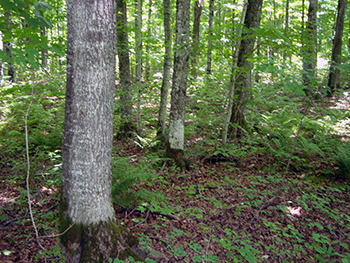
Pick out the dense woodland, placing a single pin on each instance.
(174, 131)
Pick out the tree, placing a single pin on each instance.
(44, 61)
(210, 40)
(124, 70)
(233, 78)
(178, 93)
(310, 48)
(138, 48)
(166, 69)
(8, 51)
(198, 7)
(87, 218)
(334, 72)
(147, 67)
(286, 26)
(243, 80)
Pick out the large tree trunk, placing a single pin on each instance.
(166, 70)
(310, 49)
(124, 71)
(178, 93)
(87, 217)
(198, 7)
(233, 77)
(243, 80)
(210, 40)
(334, 72)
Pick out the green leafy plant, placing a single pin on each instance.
(343, 159)
(144, 142)
(125, 176)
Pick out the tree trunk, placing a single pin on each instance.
(286, 28)
(210, 40)
(233, 77)
(348, 82)
(1, 64)
(243, 80)
(87, 218)
(44, 61)
(218, 32)
(138, 49)
(166, 69)
(198, 7)
(147, 67)
(334, 72)
(124, 71)
(8, 52)
(178, 93)
(310, 49)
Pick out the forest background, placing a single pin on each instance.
(292, 135)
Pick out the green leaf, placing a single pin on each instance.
(7, 252)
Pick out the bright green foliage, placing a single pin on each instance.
(24, 30)
(45, 122)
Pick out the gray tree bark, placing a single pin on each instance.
(124, 71)
(138, 49)
(210, 40)
(147, 67)
(178, 93)
(166, 69)
(218, 15)
(243, 80)
(286, 27)
(198, 7)
(334, 72)
(233, 77)
(310, 49)
(8, 51)
(44, 62)
(92, 233)
(1, 64)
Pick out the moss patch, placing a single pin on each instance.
(95, 242)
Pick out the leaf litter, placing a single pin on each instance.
(222, 211)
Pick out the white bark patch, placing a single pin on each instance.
(176, 134)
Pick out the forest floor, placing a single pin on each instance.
(243, 208)
(248, 208)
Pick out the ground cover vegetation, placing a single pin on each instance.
(277, 190)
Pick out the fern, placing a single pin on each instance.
(343, 159)
(125, 177)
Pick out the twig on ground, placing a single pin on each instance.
(28, 173)
(146, 216)
(13, 220)
(60, 234)
(52, 207)
(266, 204)
(9, 214)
